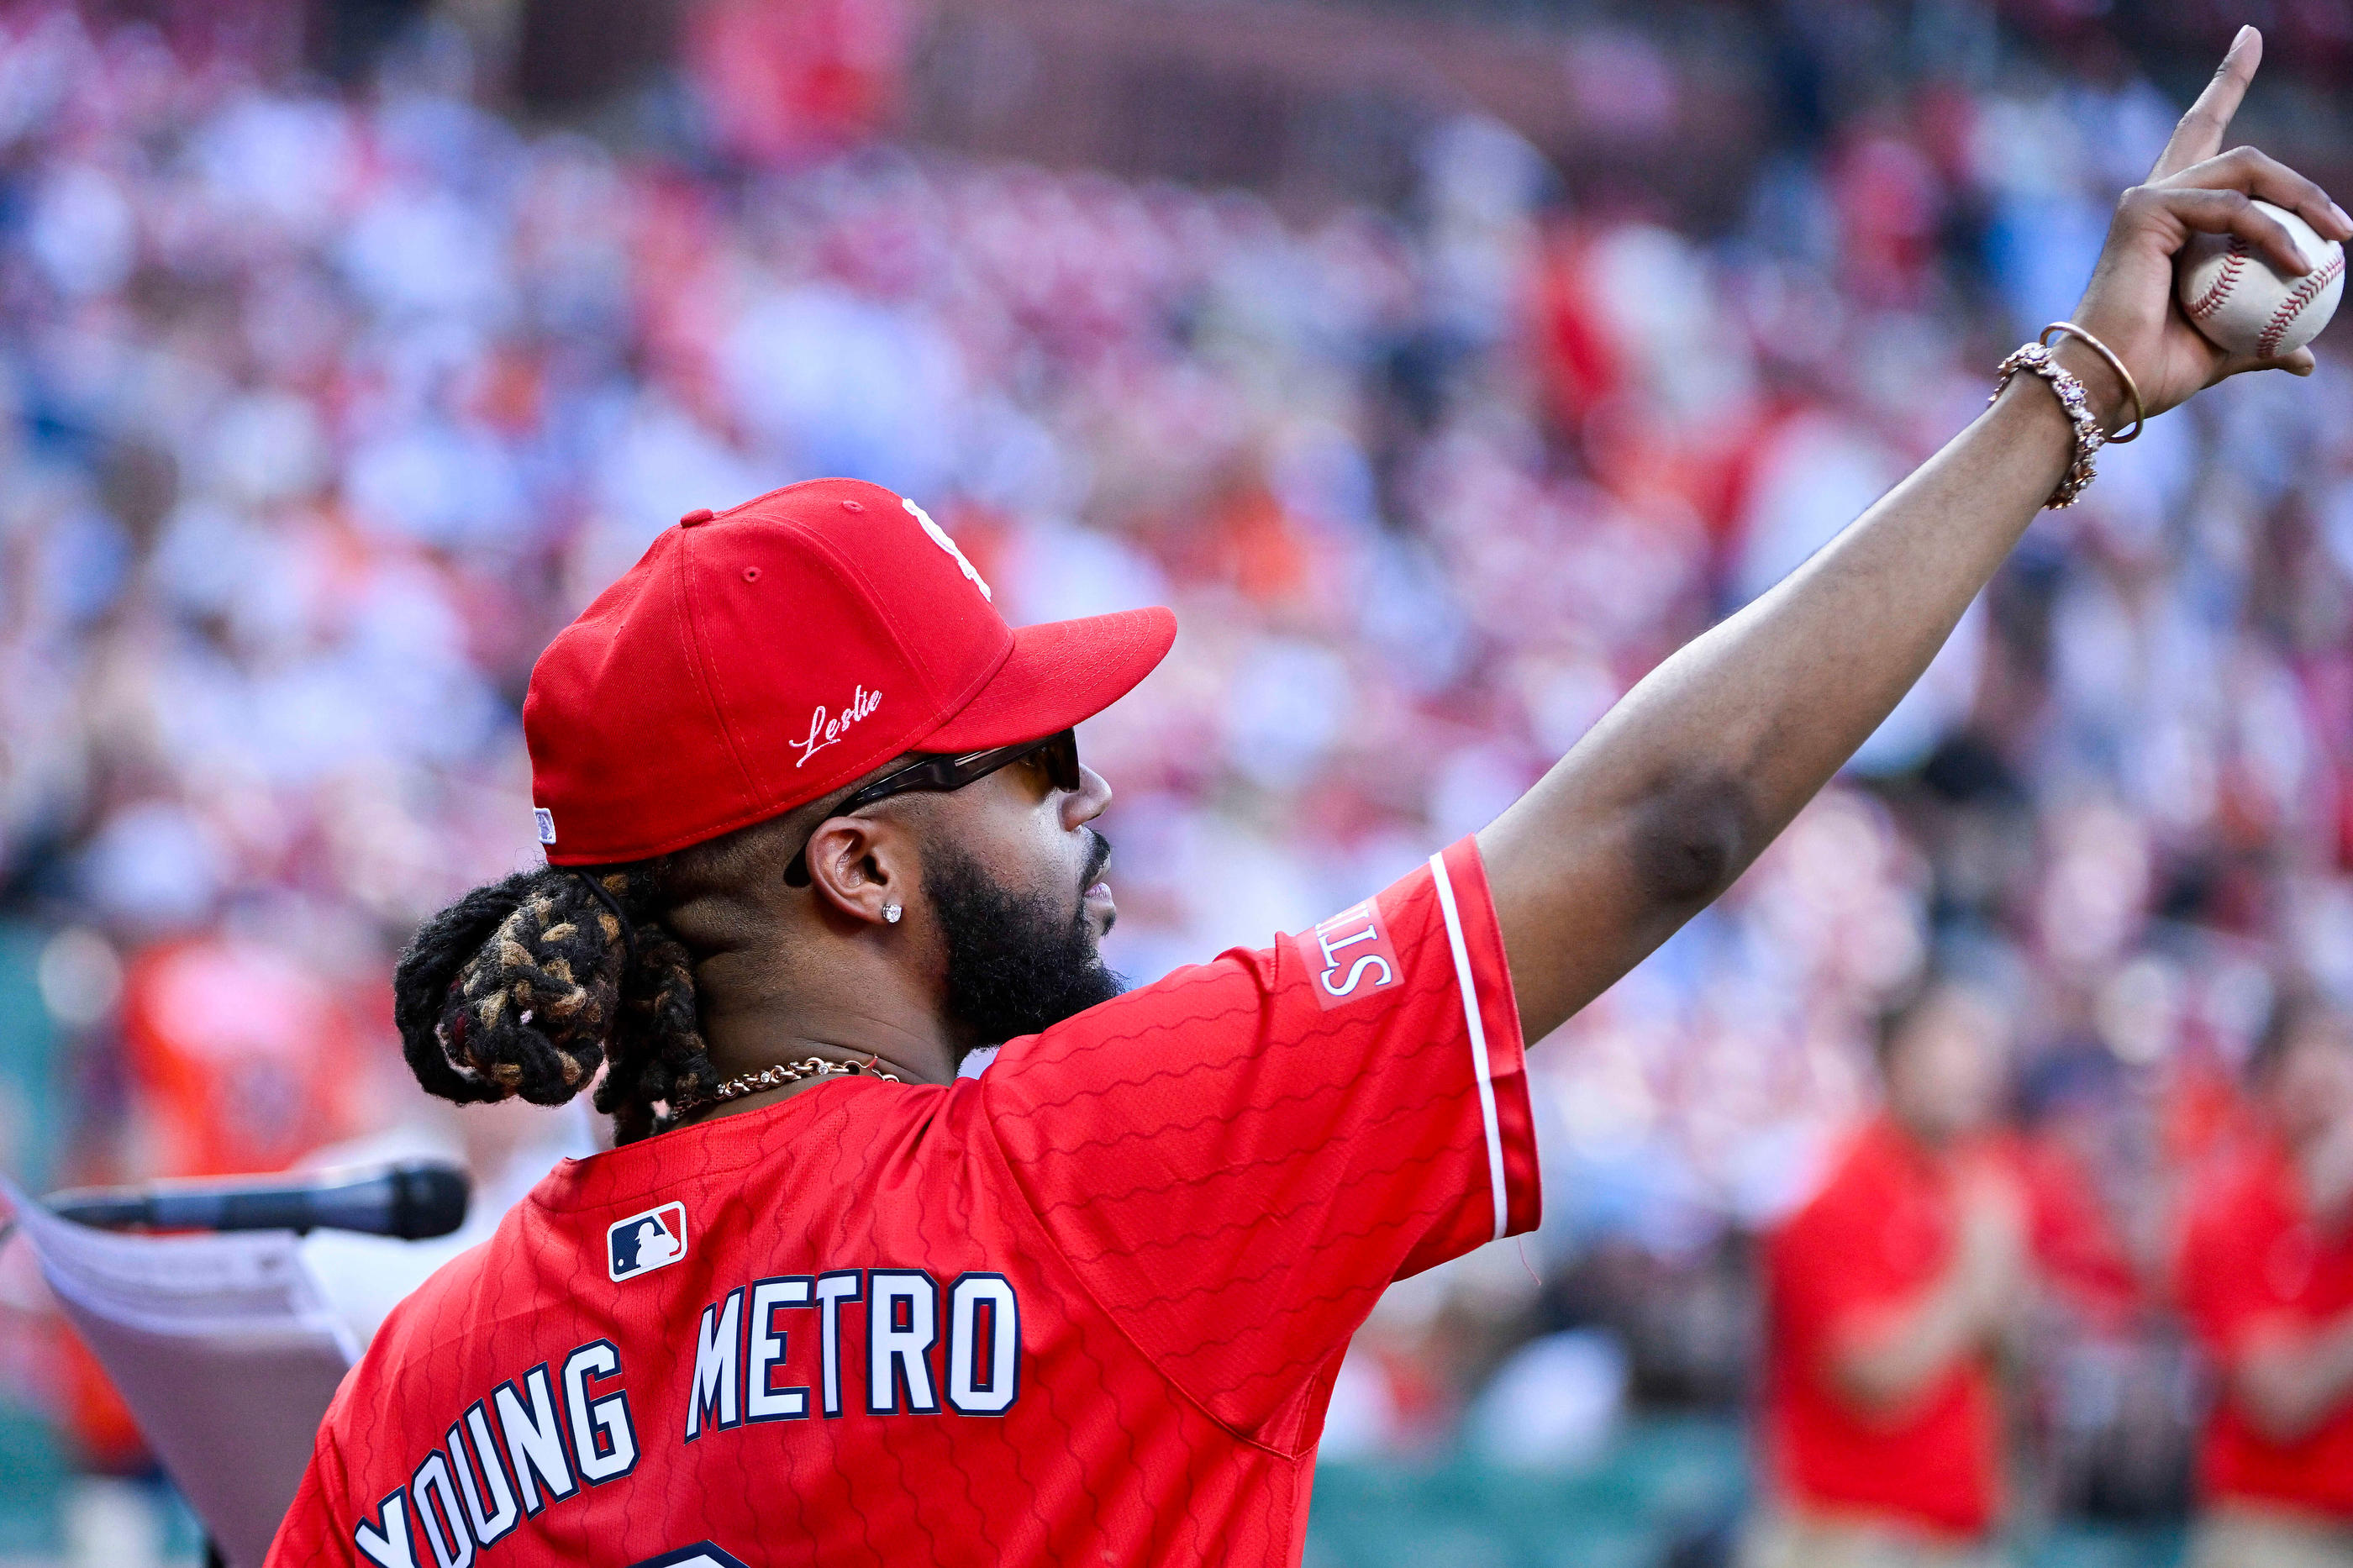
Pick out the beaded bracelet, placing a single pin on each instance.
(2089, 439)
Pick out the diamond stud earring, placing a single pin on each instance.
(892, 912)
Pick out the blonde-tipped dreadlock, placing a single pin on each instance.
(528, 986)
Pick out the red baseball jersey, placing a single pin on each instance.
(1084, 1309)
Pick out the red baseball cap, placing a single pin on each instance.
(757, 659)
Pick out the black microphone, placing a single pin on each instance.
(412, 1199)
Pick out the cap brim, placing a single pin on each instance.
(1059, 673)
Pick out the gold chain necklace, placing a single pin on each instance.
(776, 1077)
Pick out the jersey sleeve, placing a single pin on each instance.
(1237, 1160)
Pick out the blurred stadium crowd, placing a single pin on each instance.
(324, 411)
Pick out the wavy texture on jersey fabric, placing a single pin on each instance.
(1187, 1200)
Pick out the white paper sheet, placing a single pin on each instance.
(224, 1346)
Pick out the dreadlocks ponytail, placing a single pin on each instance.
(528, 986)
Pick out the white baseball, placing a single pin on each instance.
(2242, 303)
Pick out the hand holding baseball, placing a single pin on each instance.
(2195, 189)
(2244, 304)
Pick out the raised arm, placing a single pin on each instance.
(1680, 786)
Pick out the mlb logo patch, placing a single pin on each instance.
(644, 1242)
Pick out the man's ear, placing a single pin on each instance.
(861, 868)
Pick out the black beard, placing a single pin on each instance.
(1019, 962)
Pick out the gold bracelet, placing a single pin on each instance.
(2132, 387)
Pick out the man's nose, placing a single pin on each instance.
(1087, 802)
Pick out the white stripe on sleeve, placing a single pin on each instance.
(1478, 1030)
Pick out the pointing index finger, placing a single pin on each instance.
(2199, 135)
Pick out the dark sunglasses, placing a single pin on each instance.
(944, 774)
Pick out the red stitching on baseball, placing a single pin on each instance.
(2293, 306)
(2218, 290)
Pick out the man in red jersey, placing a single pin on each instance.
(2266, 1278)
(817, 827)
(1885, 1293)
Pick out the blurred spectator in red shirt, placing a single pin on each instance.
(1886, 1293)
(242, 1057)
(2266, 1278)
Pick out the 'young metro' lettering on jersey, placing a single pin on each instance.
(742, 1352)
(441, 1507)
